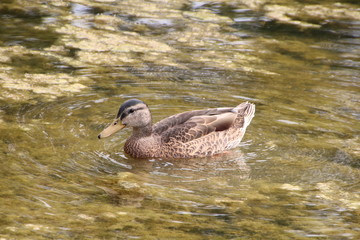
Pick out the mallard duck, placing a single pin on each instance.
(197, 133)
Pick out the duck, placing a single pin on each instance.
(191, 134)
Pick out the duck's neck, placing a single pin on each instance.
(139, 132)
(141, 144)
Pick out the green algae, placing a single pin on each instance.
(295, 177)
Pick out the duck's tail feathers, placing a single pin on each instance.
(247, 110)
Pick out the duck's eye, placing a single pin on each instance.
(115, 123)
(131, 110)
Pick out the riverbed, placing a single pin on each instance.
(66, 66)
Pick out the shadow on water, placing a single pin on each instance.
(19, 28)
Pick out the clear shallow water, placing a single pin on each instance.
(296, 176)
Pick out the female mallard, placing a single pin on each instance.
(190, 134)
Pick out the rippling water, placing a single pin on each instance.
(295, 176)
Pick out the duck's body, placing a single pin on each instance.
(190, 134)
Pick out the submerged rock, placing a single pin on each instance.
(305, 15)
(48, 86)
(335, 193)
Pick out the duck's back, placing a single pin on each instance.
(203, 132)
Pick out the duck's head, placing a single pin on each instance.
(132, 113)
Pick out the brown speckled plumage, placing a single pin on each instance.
(190, 134)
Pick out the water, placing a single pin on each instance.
(65, 67)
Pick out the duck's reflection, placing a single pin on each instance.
(164, 178)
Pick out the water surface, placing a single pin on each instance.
(65, 67)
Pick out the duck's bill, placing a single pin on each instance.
(110, 130)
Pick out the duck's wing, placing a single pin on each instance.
(181, 118)
(185, 127)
